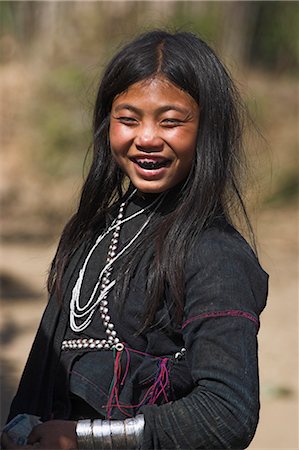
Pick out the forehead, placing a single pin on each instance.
(155, 92)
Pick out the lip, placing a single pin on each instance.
(149, 157)
(150, 174)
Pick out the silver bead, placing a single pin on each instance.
(105, 310)
(99, 346)
(108, 331)
(80, 345)
(85, 345)
(107, 346)
(104, 302)
(92, 345)
(113, 333)
(119, 347)
(116, 340)
(110, 325)
(90, 341)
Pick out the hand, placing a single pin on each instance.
(7, 443)
(54, 434)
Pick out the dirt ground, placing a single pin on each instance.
(24, 268)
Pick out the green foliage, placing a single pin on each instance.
(268, 30)
(63, 133)
(7, 16)
(275, 41)
(206, 22)
(287, 190)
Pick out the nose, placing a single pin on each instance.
(148, 139)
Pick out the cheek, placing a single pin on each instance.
(120, 137)
(186, 147)
(114, 136)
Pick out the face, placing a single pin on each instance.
(153, 131)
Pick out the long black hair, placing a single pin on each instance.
(212, 187)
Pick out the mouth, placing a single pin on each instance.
(151, 163)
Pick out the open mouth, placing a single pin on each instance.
(151, 164)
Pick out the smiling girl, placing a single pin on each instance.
(149, 337)
(153, 132)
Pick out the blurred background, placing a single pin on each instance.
(52, 55)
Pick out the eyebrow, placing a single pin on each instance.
(160, 110)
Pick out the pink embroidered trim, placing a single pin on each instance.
(230, 313)
(157, 390)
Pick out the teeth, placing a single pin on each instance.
(151, 165)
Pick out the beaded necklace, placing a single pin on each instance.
(103, 285)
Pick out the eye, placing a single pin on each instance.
(171, 123)
(127, 120)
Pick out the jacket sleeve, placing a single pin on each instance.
(35, 390)
(226, 290)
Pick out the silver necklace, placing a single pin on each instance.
(104, 285)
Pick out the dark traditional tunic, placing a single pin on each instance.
(207, 399)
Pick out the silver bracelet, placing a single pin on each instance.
(110, 434)
(118, 435)
(84, 435)
(134, 431)
(97, 434)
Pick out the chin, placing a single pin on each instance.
(150, 189)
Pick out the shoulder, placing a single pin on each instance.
(223, 243)
(222, 264)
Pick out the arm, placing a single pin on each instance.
(53, 434)
(222, 277)
(83, 435)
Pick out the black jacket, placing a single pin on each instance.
(212, 398)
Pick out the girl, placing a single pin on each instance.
(149, 338)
